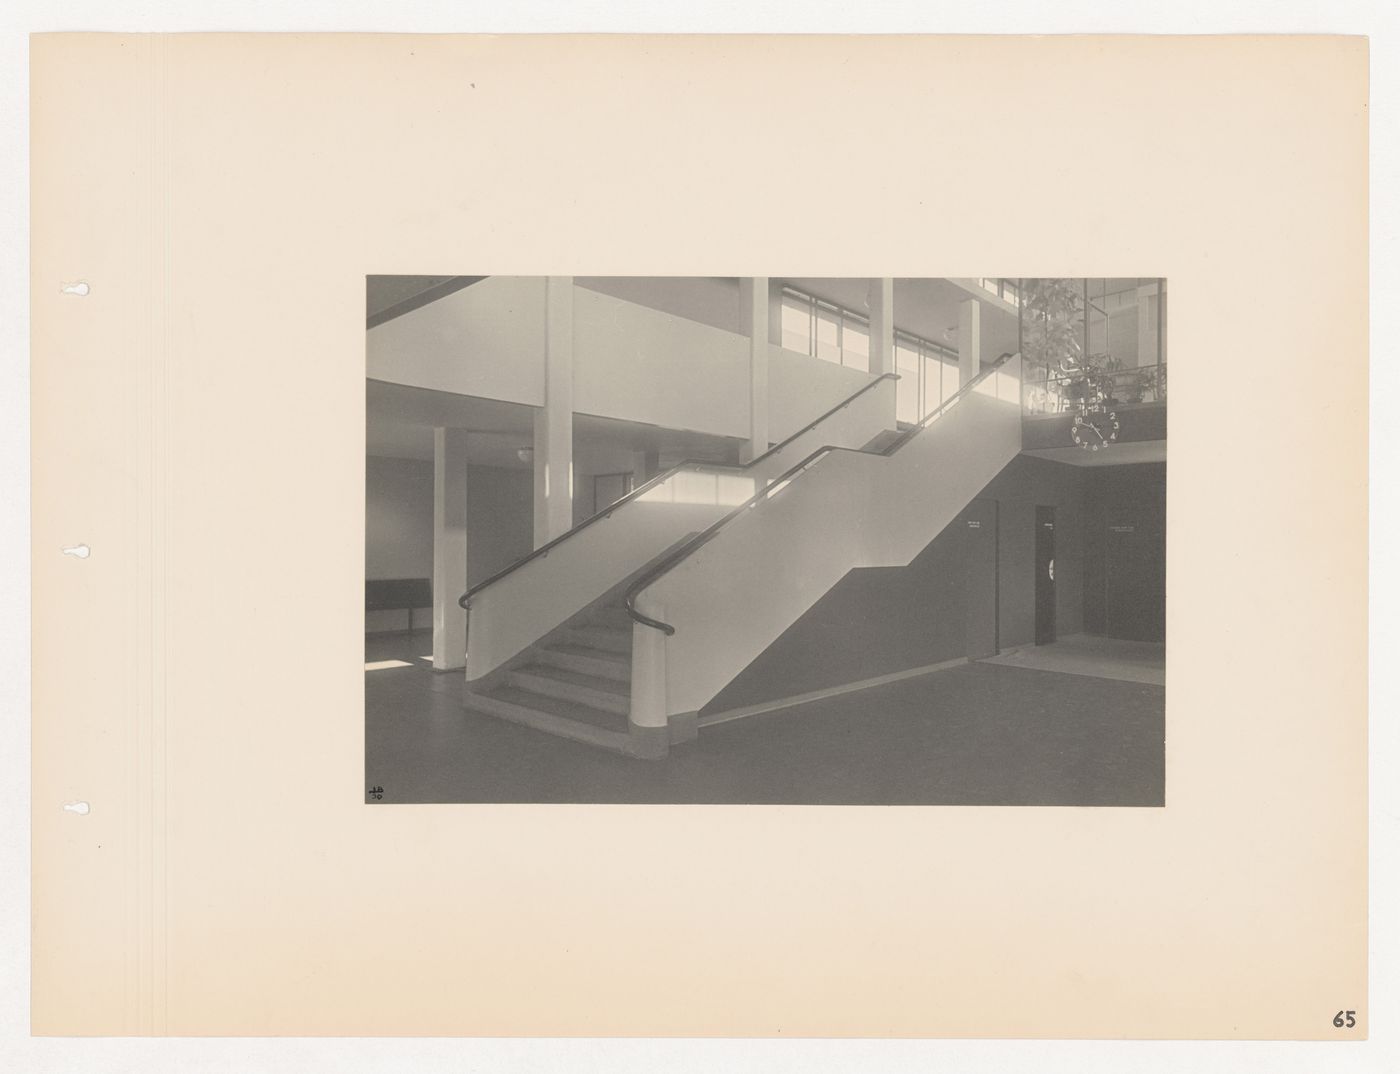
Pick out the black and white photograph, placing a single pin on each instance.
(805, 661)
(766, 540)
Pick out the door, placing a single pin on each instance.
(980, 524)
(1134, 557)
(1044, 575)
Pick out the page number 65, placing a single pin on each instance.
(1344, 1019)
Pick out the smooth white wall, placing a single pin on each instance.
(500, 519)
(643, 365)
(801, 388)
(674, 366)
(711, 300)
(399, 526)
(486, 340)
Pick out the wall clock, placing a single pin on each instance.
(1096, 428)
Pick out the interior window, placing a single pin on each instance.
(855, 344)
(933, 385)
(797, 324)
(907, 393)
(948, 372)
(828, 334)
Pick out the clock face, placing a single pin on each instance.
(1094, 429)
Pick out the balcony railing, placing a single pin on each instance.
(1047, 391)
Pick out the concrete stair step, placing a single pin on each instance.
(610, 639)
(554, 706)
(599, 662)
(599, 693)
(581, 723)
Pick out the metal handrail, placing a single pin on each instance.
(1072, 374)
(464, 601)
(1152, 378)
(706, 535)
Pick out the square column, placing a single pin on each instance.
(449, 548)
(754, 323)
(969, 340)
(881, 302)
(554, 422)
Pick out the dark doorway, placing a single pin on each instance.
(1133, 580)
(980, 521)
(1125, 552)
(1044, 575)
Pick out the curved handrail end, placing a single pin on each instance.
(646, 620)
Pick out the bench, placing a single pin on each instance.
(398, 594)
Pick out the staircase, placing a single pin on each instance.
(709, 610)
(576, 683)
(564, 643)
(512, 610)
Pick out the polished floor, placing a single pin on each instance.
(988, 733)
(1102, 658)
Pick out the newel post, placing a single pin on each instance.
(647, 723)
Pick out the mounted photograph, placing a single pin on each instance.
(763, 540)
